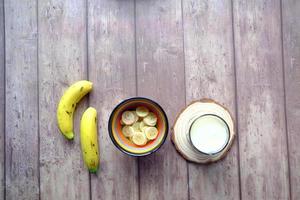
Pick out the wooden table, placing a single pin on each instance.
(244, 54)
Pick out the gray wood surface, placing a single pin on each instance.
(112, 66)
(21, 122)
(243, 54)
(62, 61)
(260, 97)
(160, 70)
(210, 74)
(291, 50)
(2, 100)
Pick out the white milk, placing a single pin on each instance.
(209, 134)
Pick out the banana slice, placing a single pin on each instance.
(151, 133)
(142, 111)
(136, 126)
(139, 138)
(150, 119)
(128, 117)
(144, 131)
(128, 131)
(144, 128)
(142, 125)
(136, 116)
(122, 123)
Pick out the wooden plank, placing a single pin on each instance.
(2, 100)
(210, 74)
(62, 61)
(160, 68)
(112, 69)
(291, 50)
(262, 134)
(21, 122)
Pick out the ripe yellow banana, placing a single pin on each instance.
(67, 105)
(89, 140)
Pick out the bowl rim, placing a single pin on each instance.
(110, 127)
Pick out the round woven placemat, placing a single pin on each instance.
(183, 122)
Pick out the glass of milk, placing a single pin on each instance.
(209, 134)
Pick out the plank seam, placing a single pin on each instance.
(236, 101)
(135, 47)
(87, 42)
(185, 92)
(136, 87)
(284, 101)
(87, 76)
(4, 137)
(38, 93)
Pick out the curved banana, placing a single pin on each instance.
(67, 105)
(89, 139)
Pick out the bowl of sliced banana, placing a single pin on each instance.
(138, 126)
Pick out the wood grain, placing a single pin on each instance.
(291, 50)
(21, 122)
(62, 61)
(160, 67)
(210, 74)
(2, 100)
(260, 96)
(112, 68)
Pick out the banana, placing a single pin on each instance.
(89, 139)
(136, 126)
(142, 125)
(150, 119)
(128, 117)
(142, 111)
(128, 131)
(122, 123)
(139, 138)
(136, 116)
(144, 128)
(151, 133)
(139, 125)
(67, 105)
